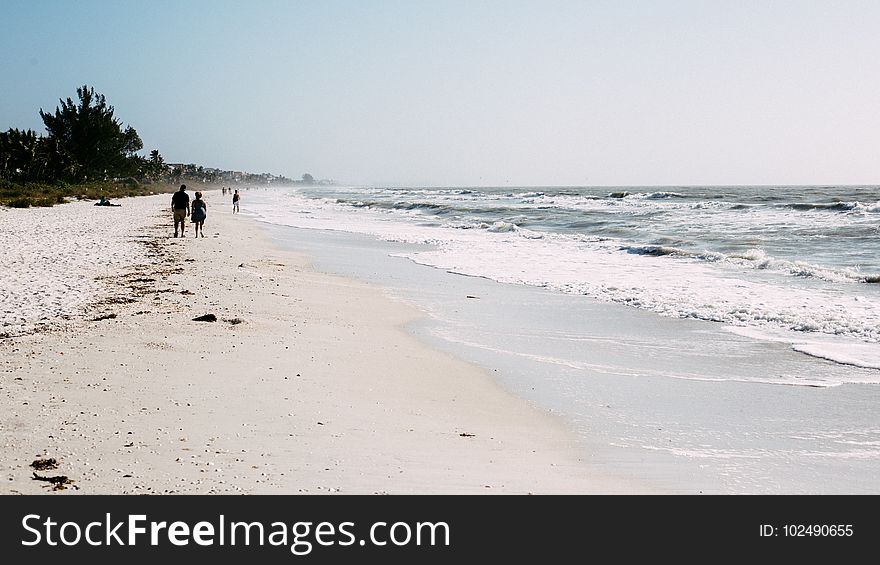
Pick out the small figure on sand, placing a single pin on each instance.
(199, 213)
(180, 209)
(235, 199)
(104, 202)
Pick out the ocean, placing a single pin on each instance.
(795, 264)
(728, 335)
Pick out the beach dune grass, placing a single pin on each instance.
(39, 194)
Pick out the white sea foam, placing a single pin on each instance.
(747, 288)
(452, 335)
(501, 227)
(832, 348)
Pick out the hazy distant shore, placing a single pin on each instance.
(304, 384)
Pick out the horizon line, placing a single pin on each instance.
(695, 185)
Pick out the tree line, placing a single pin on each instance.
(84, 142)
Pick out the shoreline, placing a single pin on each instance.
(307, 383)
(683, 405)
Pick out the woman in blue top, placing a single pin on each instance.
(199, 213)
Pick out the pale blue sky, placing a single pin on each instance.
(470, 93)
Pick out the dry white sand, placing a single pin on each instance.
(52, 257)
(306, 383)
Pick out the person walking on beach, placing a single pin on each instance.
(235, 199)
(180, 209)
(199, 213)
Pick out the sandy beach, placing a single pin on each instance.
(305, 383)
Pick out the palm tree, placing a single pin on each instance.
(156, 167)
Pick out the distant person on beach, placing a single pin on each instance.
(199, 213)
(180, 209)
(104, 202)
(235, 199)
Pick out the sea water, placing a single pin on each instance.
(703, 339)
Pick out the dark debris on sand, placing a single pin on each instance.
(104, 317)
(206, 318)
(45, 464)
(58, 482)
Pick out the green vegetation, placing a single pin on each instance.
(24, 195)
(85, 142)
(86, 154)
